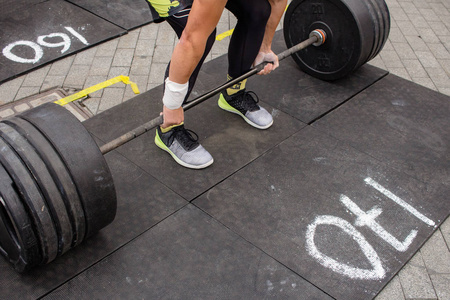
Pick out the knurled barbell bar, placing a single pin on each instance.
(55, 186)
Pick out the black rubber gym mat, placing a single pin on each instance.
(399, 122)
(188, 256)
(231, 141)
(127, 14)
(339, 218)
(34, 33)
(307, 98)
(142, 202)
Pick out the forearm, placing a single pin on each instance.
(278, 7)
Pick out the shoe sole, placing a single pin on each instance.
(223, 104)
(163, 146)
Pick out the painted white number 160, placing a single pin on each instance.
(41, 41)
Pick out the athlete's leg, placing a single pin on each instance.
(178, 23)
(248, 35)
(244, 46)
(202, 21)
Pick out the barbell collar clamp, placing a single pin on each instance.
(321, 37)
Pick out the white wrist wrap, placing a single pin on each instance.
(174, 94)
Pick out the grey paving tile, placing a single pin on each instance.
(157, 72)
(391, 59)
(421, 4)
(37, 77)
(404, 51)
(92, 104)
(439, 77)
(8, 90)
(145, 47)
(141, 82)
(26, 91)
(428, 35)
(77, 76)
(415, 280)
(61, 67)
(123, 58)
(416, 43)
(149, 32)
(441, 283)
(401, 72)
(445, 230)
(426, 82)
(85, 57)
(392, 3)
(162, 54)
(108, 48)
(427, 59)
(129, 41)
(436, 255)
(101, 65)
(407, 28)
(439, 28)
(378, 62)
(166, 36)
(418, 21)
(51, 81)
(141, 65)
(409, 7)
(439, 51)
(439, 8)
(396, 35)
(415, 68)
(151, 85)
(398, 13)
(393, 290)
(445, 91)
(93, 80)
(428, 13)
(117, 71)
(111, 97)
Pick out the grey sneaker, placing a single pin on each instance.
(183, 147)
(244, 104)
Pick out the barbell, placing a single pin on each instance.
(56, 189)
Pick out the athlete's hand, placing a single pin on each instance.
(270, 58)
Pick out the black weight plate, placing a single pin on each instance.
(350, 35)
(32, 200)
(83, 159)
(45, 182)
(59, 174)
(386, 22)
(18, 241)
(377, 20)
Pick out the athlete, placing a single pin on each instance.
(194, 22)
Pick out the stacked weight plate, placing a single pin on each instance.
(356, 32)
(48, 162)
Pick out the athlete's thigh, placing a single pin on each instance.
(203, 18)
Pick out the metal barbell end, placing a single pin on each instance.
(321, 37)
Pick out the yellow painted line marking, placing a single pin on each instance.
(102, 85)
(224, 35)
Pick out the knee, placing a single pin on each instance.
(259, 14)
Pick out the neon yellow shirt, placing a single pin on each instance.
(164, 7)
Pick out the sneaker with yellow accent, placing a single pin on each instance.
(243, 103)
(183, 147)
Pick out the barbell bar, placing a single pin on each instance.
(56, 188)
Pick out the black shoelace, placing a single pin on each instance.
(244, 101)
(187, 138)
